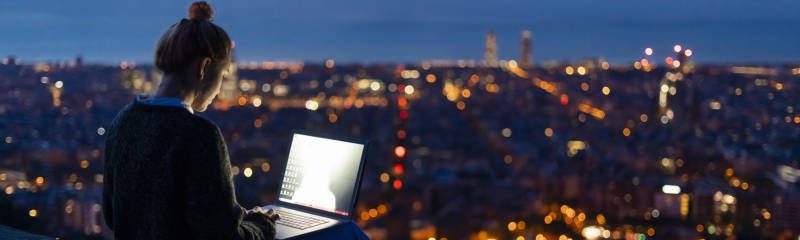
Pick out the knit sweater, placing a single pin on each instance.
(168, 176)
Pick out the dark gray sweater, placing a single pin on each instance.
(167, 176)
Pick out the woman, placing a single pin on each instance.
(167, 172)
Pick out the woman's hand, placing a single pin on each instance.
(271, 214)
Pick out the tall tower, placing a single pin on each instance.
(525, 59)
(79, 60)
(490, 53)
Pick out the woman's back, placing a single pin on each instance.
(142, 174)
(167, 172)
(168, 177)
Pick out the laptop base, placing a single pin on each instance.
(286, 232)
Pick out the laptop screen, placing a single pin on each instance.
(321, 173)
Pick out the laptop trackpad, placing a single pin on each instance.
(293, 223)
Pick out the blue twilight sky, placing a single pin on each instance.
(412, 30)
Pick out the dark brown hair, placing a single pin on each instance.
(192, 38)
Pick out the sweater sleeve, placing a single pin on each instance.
(212, 210)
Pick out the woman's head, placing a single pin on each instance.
(196, 52)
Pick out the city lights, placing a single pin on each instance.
(560, 156)
(581, 70)
(715, 105)
(788, 173)
(409, 74)
(671, 189)
(312, 105)
(512, 226)
(548, 132)
(506, 132)
(512, 64)
(575, 146)
(592, 232)
(677, 48)
(375, 86)
(397, 184)
(84, 164)
(384, 177)
(265, 167)
(398, 169)
(400, 151)
(569, 70)
(430, 78)
(564, 99)
(248, 172)
(329, 63)
(409, 89)
(280, 90)
(466, 93)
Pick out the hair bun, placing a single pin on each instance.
(200, 10)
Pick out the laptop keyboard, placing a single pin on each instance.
(298, 221)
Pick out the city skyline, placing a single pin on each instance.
(644, 152)
(356, 31)
(506, 119)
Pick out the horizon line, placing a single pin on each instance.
(21, 61)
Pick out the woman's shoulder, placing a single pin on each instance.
(205, 126)
(136, 115)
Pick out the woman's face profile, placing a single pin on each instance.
(212, 80)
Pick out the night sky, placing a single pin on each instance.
(412, 30)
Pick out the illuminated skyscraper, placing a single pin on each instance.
(490, 53)
(525, 57)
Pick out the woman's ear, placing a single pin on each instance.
(204, 63)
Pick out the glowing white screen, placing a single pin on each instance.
(321, 173)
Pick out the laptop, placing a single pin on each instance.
(320, 183)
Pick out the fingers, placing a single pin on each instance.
(257, 209)
(271, 214)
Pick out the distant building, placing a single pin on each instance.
(787, 210)
(490, 53)
(10, 60)
(525, 56)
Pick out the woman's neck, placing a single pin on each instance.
(172, 87)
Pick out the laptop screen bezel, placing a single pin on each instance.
(357, 184)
